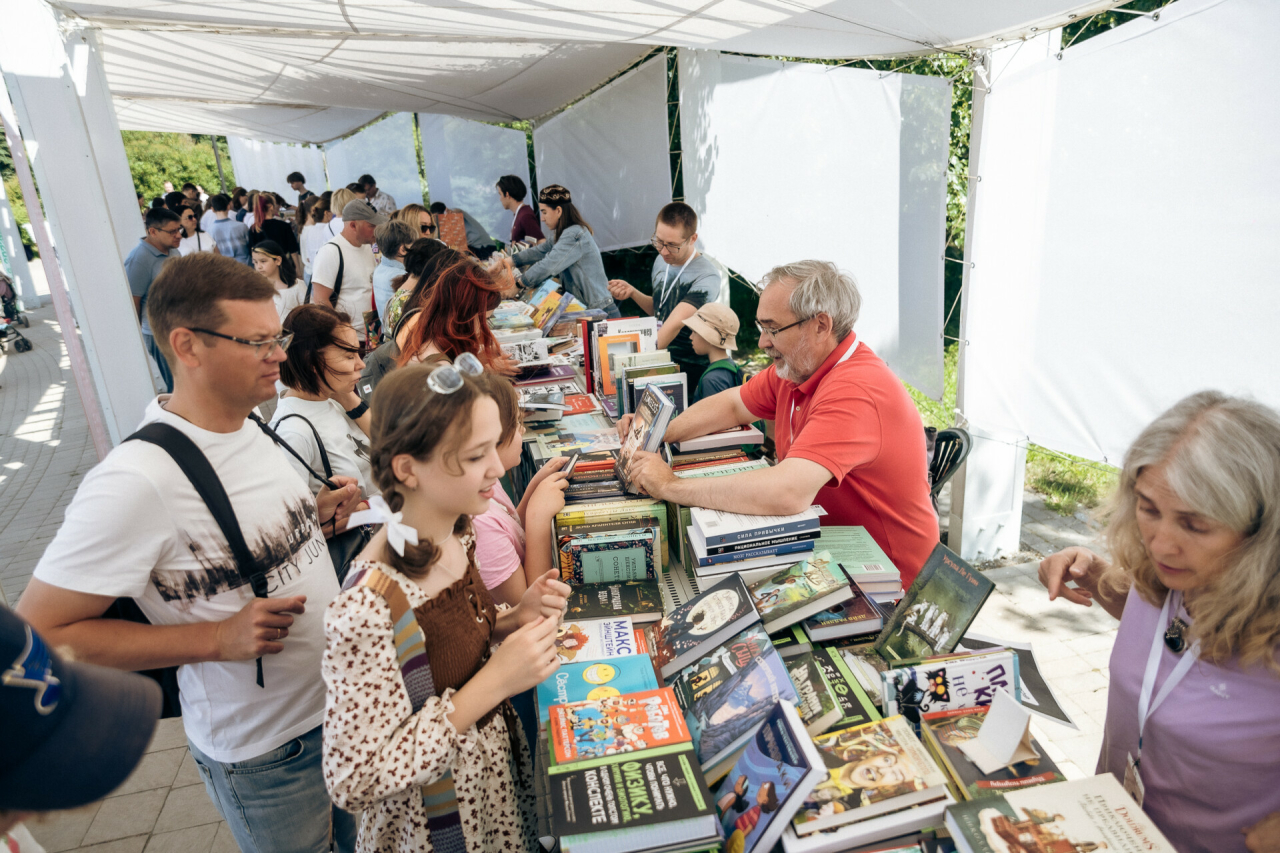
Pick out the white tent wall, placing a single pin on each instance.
(464, 159)
(785, 161)
(59, 131)
(610, 151)
(262, 165)
(385, 150)
(1125, 228)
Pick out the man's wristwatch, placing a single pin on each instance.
(358, 410)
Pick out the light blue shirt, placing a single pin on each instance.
(232, 238)
(575, 260)
(383, 289)
(141, 267)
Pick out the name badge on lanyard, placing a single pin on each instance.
(1146, 707)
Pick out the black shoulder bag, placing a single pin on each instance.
(382, 360)
(344, 547)
(337, 281)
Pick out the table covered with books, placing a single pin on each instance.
(748, 683)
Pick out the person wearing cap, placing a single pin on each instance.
(570, 253)
(712, 329)
(72, 731)
(848, 436)
(246, 634)
(342, 273)
(683, 280)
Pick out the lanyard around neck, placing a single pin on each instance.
(666, 282)
(1146, 707)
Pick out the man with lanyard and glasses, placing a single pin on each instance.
(164, 235)
(848, 436)
(247, 639)
(684, 280)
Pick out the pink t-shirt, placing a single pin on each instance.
(499, 540)
(1210, 752)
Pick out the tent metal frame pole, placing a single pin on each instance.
(57, 286)
(217, 157)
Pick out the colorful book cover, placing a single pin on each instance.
(1085, 814)
(943, 685)
(574, 682)
(729, 691)
(862, 557)
(818, 706)
(653, 413)
(630, 507)
(780, 597)
(937, 610)
(858, 615)
(699, 620)
(595, 639)
(626, 556)
(944, 731)
(628, 723)
(612, 345)
(872, 770)
(675, 386)
(767, 783)
(580, 404)
(856, 707)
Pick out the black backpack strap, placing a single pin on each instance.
(337, 282)
(205, 480)
(324, 454)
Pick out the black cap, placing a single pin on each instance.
(72, 731)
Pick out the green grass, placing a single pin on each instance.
(1067, 482)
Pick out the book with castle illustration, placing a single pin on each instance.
(937, 609)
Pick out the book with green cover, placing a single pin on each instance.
(627, 508)
(605, 558)
(855, 705)
(799, 591)
(817, 706)
(937, 610)
(791, 641)
(859, 554)
(641, 600)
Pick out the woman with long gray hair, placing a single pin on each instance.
(1193, 708)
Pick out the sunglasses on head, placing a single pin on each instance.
(447, 378)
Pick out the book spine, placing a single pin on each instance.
(759, 533)
(772, 551)
(715, 550)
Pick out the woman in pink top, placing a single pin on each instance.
(1193, 710)
(513, 543)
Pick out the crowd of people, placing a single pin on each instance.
(317, 726)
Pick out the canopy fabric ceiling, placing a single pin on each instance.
(180, 66)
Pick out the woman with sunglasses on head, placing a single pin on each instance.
(454, 319)
(1192, 726)
(569, 253)
(271, 262)
(419, 734)
(266, 227)
(319, 414)
(195, 238)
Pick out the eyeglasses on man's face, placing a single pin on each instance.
(262, 349)
(170, 231)
(664, 246)
(770, 332)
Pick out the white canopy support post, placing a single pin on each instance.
(986, 493)
(58, 131)
(12, 256)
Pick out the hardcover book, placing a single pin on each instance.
(818, 706)
(702, 622)
(716, 527)
(944, 731)
(632, 722)
(594, 639)
(745, 434)
(612, 345)
(653, 412)
(859, 787)
(791, 641)
(674, 385)
(1086, 814)
(738, 547)
(574, 682)
(862, 559)
(756, 553)
(856, 707)
(627, 508)
(937, 610)
(768, 783)
(857, 616)
(727, 693)
(605, 558)
(645, 801)
(945, 684)
(786, 597)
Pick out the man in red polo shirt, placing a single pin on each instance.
(848, 436)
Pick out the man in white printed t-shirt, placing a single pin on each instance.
(137, 528)
(354, 286)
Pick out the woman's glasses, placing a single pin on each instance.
(428, 229)
(447, 378)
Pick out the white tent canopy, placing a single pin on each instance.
(178, 66)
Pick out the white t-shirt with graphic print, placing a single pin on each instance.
(137, 528)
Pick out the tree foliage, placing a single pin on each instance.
(175, 157)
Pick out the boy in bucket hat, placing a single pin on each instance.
(713, 327)
(72, 731)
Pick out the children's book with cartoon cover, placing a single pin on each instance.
(574, 682)
(768, 782)
(579, 640)
(726, 694)
(630, 722)
(799, 591)
(874, 769)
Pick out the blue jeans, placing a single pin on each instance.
(161, 362)
(277, 802)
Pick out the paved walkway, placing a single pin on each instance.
(45, 450)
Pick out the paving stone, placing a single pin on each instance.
(188, 773)
(224, 842)
(125, 816)
(133, 844)
(156, 770)
(169, 734)
(61, 831)
(195, 839)
(187, 807)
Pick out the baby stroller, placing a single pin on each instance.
(12, 317)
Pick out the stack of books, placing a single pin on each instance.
(632, 372)
(605, 340)
(721, 542)
(864, 561)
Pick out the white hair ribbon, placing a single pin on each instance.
(380, 513)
